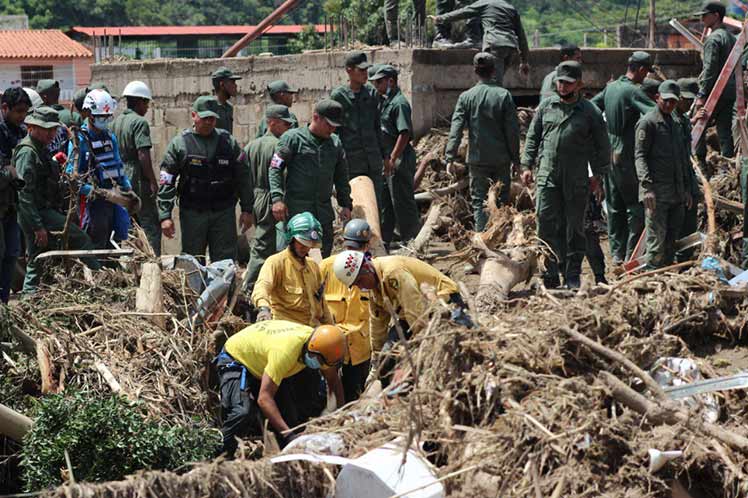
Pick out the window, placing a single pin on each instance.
(30, 75)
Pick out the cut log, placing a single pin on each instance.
(710, 246)
(45, 369)
(108, 377)
(365, 206)
(441, 192)
(499, 275)
(13, 424)
(427, 230)
(149, 298)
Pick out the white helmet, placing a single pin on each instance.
(36, 99)
(347, 265)
(100, 103)
(137, 89)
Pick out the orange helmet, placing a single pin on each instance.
(329, 342)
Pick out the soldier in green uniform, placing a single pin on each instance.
(392, 16)
(207, 170)
(443, 36)
(224, 87)
(313, 160)
(660, 165)
(360, 129)
(569, 52)
(689, 89)
(566, 134)
(281, 93)
(503, 34)
(624, 102)
(490, 115)
(651, 87)
(40, 200)
(134, 138)
(399, 202)
(49, 91)
(717, 48)
(260, 152)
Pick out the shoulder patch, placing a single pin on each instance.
(641, 135)
(392, 282)
(276, 162)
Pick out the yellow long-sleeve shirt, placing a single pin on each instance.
(400, 280)
(292, 289)
(350, 310)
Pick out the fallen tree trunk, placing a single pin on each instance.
(441, 192)
(149, 296)
(427, 230)
(365, 206)
(422, 167)
(710, 245)
(13, 424)
(499, 275)
(662, 415)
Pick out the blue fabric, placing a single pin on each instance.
(121, 225)
(12, 250)
(110, 162)
(712, 264)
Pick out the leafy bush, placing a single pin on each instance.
(106, 438)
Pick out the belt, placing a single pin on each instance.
(223, 355)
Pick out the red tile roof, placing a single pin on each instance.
(39, 44)
(280, 29)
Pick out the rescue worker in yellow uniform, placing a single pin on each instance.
(397, 279)
(289, 286)
(275, 366)
(349, 307)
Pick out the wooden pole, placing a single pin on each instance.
(13, 424)
(652, 24)
(149, 296)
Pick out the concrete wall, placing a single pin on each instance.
(71, 73)
(432, 79)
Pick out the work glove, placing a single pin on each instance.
(264, 314)
(60, 158)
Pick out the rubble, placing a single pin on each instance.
(550, 396)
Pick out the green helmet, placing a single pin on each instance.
(306, 229)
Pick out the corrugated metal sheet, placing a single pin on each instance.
(187, 30)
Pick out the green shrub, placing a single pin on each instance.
(106, 438)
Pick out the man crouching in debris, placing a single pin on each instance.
(275, 366)
(661, 164)
(394, 285)
(566, 134)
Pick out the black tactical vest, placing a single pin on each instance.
(208, 183)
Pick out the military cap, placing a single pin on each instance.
(569, 71)
(711, 7)
(641, 57)
(384, 71)
(206, 106)
(331, 110)
(373, 70)
(44, 116)
(224, 73)
(689, 87)
(357, 59)
(669, 89)
(43, 86)
(279, 86)
(277, 111)
(650, 85)
(484, 59)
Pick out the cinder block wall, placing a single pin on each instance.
(432, 79)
